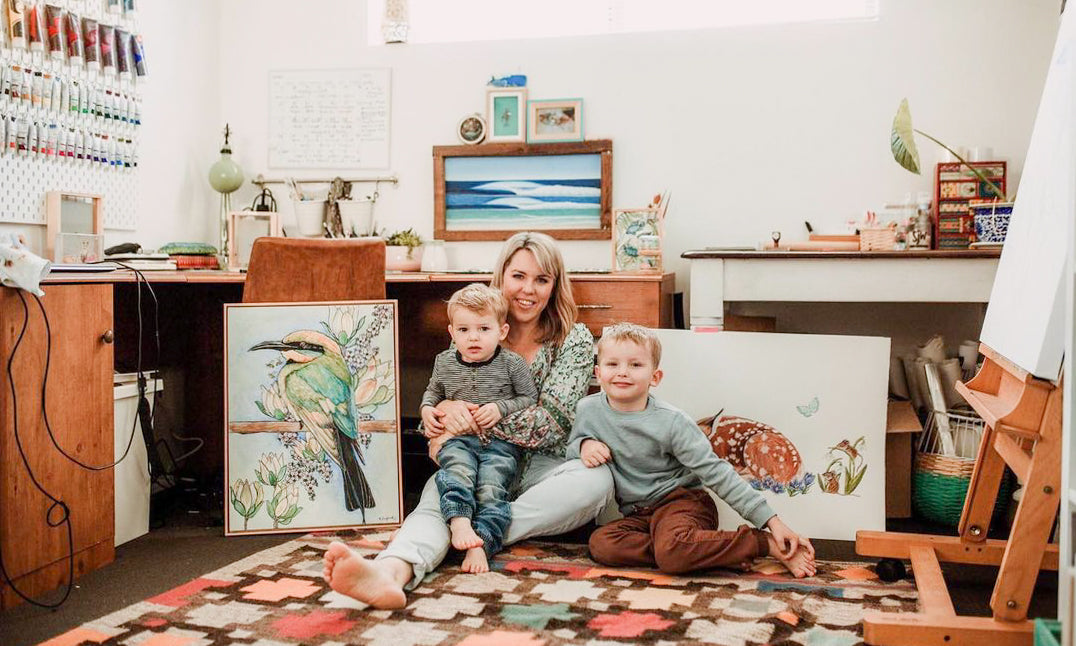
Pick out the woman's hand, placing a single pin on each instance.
(436, 443)
(458, 417)
(431, 421)
(594, 453)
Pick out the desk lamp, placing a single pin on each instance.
(225, 176)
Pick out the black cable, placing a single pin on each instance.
(65, 517)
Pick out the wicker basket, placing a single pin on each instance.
(939, 478)
(883, 239)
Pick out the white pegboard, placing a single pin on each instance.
(26, 177)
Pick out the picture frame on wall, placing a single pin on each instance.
(506, 114)
(471, 129)
(552, 120)
(492, 191)
(290, 466)
(244, 227)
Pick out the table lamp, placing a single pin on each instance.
(225, 176)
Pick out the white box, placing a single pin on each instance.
(132, 482)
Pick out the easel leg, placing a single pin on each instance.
(982, 490)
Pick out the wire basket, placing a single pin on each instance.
(944, 461)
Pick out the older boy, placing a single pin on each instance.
(660, 462)
(476, 471)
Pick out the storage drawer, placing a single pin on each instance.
(604, 302)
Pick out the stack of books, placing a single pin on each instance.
(143, 261)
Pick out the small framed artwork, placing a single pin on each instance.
(492, 191)
(471, 129)
(555, 120)
(506, 117)
(77, 215)
(638, 236)
(312, 414)
(244, 227)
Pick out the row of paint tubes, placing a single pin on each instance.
(61, 142)
(39, 92)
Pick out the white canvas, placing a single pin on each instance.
(296, 376)
(817, 391)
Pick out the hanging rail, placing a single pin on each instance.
(260, 181)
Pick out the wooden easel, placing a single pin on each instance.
(1022, 414)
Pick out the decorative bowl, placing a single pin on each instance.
(991, 220)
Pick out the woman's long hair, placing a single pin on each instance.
(560, 312)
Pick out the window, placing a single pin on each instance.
(445, 21)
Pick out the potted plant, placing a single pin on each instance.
(403, 251)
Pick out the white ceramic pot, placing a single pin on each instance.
(396, 258)
(310, 217)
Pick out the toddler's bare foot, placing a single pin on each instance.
(351, 575)
(463, 536)
(475, 561)
(800, 564)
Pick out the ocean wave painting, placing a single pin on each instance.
(527, 192)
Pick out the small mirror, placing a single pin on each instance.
(71, 213)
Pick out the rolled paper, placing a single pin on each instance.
(90, 49)
(138, 53)
(54, 22)
(123, 65)
(16, 23)
(34, 36)
(73, 31)
(107, 37)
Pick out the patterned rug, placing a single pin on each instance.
(538, 594)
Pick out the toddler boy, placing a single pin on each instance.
(660, 462)
(476, 471)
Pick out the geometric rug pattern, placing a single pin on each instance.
(536, 594)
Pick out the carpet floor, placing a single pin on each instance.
(537, 594)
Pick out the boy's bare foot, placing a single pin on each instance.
(800, 564)
(475, 561)
(463, 536)
(369, 582)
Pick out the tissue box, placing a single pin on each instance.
(79, 247)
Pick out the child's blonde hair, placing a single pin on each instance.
(480, 299)
(637, 334)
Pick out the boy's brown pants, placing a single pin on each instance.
(679, 534)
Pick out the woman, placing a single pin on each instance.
(556, 495)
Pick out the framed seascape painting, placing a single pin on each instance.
(490, 192)
(312, 422)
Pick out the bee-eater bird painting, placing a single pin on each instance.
(312, 409)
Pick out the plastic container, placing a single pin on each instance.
(132, 482)
(310, 217)
(434, 258)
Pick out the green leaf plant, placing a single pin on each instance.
(902, 143)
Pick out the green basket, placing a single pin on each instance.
(1047, 632)
(940, 498)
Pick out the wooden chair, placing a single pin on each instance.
(286, 270)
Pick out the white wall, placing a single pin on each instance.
(753, 129)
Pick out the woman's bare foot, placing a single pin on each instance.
(368, 581)
(463, 536)
(475, 561)
(800, 564)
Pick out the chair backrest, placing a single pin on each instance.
(304, 270)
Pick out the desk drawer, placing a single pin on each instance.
(603, 303)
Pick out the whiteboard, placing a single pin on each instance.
(332, 119)
(1025, 317)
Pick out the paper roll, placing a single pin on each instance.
(933, 350)
(911, 374)
(898, 382)
(949, 371)
(969, 355)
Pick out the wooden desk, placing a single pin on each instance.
(721, 277)
(94, 328)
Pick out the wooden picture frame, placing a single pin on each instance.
(492, 191)
(272, 434)
(266, 223)
(552, 120)
(73, 221)
(506, 114)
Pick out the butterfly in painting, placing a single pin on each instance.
(809, 409)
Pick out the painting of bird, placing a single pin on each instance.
(317, 389)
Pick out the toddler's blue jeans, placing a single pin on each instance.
(473, 482)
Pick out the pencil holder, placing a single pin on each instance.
(310, 217)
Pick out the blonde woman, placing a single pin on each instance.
(554, 495)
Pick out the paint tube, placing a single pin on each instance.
(54, 29)
(73, 34)
(34, 36)
(106, 36)
(72, 97)
(115, 6)
(138, 53)
(84, 99)
(35, 90)
(23, 132)
(136, 111)
(90, 50)
(53, 142)
(27, 87)
(31, 139)
(123, 61)
(58, 103)
(14, 83)
(108, 106)
(5, 89)
(80, 145)
(46, 91)
(12, 143)
(3, 134)
(16, 23)
(99, 102)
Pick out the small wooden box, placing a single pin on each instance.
(884, 239)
